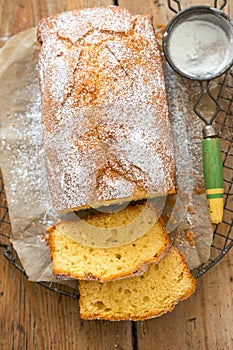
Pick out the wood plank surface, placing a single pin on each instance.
(197, 323)
(32, 317)
(160, 11)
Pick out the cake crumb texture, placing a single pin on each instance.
(152, 294)
(72, 259)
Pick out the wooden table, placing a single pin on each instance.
(32, 317)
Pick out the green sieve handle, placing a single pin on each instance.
(213, 175)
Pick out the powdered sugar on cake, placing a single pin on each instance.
(104, 111)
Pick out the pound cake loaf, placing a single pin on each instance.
(72, 259)
(152, 294)
(105, 118)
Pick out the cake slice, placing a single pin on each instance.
(105, 121)
(152, 294)
(76, 260)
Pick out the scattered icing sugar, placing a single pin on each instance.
(111, 18)
(23, 153)
(105, 117)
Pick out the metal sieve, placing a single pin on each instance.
(198, 44)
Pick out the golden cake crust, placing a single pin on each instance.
(104, 110)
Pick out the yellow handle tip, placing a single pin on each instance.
(216, 209)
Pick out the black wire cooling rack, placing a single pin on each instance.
(223, 233)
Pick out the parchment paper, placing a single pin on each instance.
(22, 162)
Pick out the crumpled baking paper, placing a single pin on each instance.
(22, 162)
